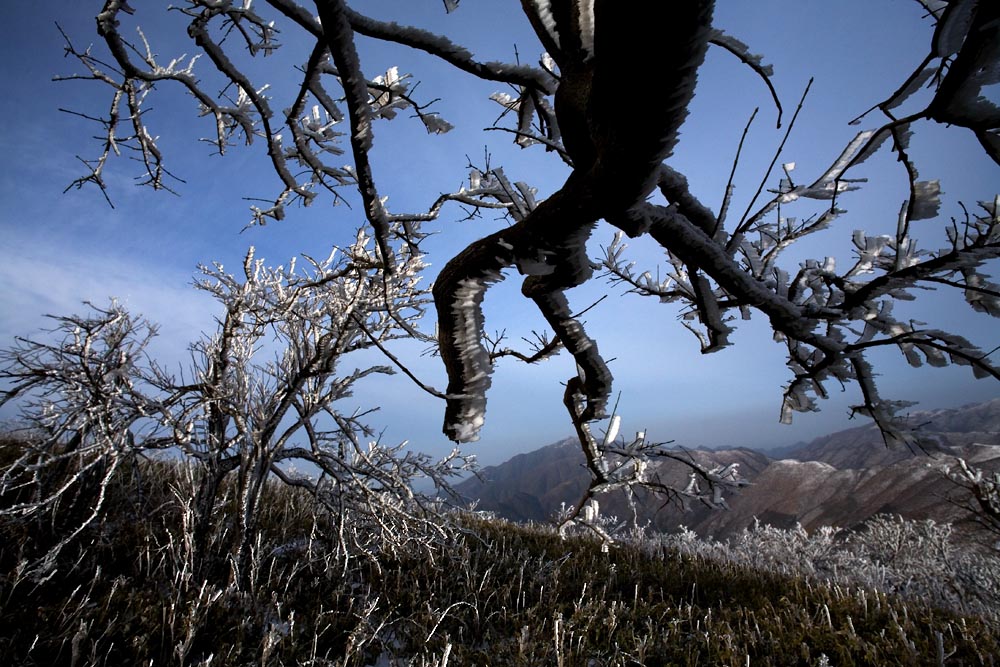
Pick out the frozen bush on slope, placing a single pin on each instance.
(916, 559)
(262, 396)
(983, 490)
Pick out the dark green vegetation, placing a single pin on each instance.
(126, 592)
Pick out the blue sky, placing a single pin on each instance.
(60, 249)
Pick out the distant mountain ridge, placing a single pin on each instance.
(838, 479)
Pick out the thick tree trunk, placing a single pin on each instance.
(616, 154)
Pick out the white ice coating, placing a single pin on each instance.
(827, 184)
(591, 511)
(548, 63)
(465, 300)
(468, 429)
(465, 425)
(544, 11)
(613, 427)
(435, 124)
(742, 51)
(506, 101)
(927, 199)
(845, 158)
(586, 14)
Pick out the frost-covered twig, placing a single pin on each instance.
(618, 464)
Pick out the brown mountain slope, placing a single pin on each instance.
(862, 447)
(840, 479)
(816, 494)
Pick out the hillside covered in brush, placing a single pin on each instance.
(126, 591)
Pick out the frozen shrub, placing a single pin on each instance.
(916, 559)
(260, 401)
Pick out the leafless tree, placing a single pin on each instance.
(575, 105)
(263, 399)
(982, 492)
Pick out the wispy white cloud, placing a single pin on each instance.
(52, 277)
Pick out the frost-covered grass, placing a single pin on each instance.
(124, 592)
(922, 561)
